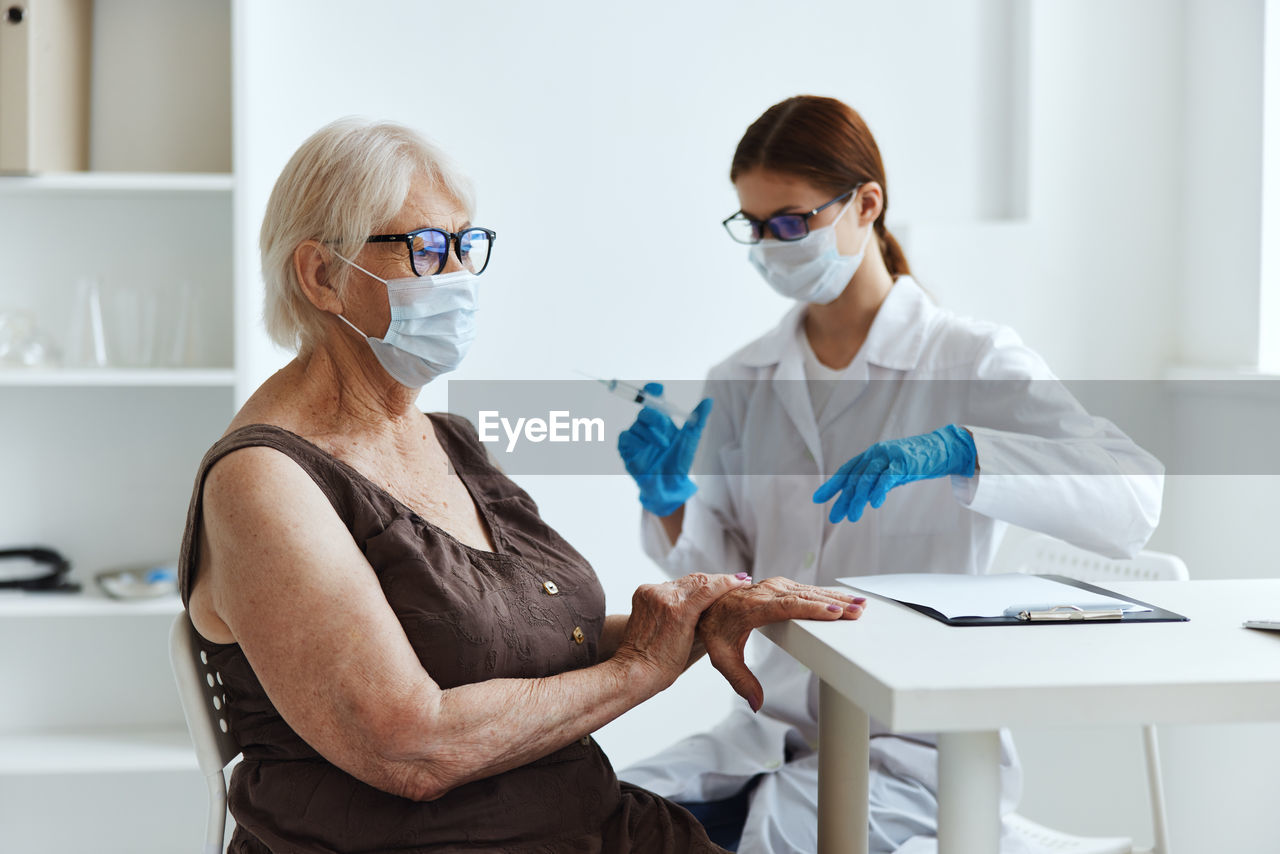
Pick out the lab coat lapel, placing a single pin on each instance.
(778, 353)
(793, 393)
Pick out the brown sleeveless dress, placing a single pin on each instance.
(470, 615)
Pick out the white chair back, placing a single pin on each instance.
(204, 704)
(1038, 554)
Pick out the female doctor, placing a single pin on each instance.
(871, 431)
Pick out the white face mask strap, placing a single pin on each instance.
(358, 267)
(846, 207)
(367, 273)
(352, 325)
(871, 229)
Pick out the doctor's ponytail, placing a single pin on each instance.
(894, 258)
(827, 143)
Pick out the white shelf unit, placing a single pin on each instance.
(20, 605)
(160, 258)
(116, 182)
(91, 377)
(99, 461)
(103, 751)
(94, 752)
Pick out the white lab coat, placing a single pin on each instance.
(1079, 478)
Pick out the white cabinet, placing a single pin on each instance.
(94, 755)
(97, 460)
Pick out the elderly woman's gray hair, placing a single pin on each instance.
(345, 183)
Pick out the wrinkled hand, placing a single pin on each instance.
(725, 626)
(658, 455)
(664, 618)
(868, 477)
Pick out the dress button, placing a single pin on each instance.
(550, 587)
(578, 636)
(585, 741)
(808, 560)
(772, 765)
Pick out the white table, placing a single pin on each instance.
(915, 674)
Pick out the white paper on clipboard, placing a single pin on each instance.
(956, 596)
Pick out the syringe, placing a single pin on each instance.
(636, 394)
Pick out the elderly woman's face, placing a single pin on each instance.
(365, 299)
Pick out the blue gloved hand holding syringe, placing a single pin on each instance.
(656, 453)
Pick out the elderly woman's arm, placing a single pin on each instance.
(283, 578)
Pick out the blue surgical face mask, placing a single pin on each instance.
(810, 269)
(433, 322)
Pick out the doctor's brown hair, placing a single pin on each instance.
(825, 142)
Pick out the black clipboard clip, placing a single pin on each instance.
(1069, 613)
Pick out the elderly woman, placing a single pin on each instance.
(413, 660)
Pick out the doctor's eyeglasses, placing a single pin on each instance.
(744, 229)
(429, 248)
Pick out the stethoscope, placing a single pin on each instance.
(53, 579)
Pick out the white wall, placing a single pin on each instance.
(600, 138)
(1222, 174)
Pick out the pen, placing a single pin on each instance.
(1069, 613)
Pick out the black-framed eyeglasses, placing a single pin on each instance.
(429, 248)
(744, 229)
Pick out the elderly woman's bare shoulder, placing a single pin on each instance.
(263, 520)
(254, 478)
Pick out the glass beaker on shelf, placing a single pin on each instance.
(134, 326)
(178, 335)
(131, 318)
(87, 338)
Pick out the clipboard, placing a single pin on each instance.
(1053, 616)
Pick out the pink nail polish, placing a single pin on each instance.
(836, 608)
(741, 576)
(859, 600)
(853, 609)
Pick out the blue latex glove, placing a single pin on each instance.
(868, 477)
(659, 456)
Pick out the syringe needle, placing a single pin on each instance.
(637, 395)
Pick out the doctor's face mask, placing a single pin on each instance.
(810, 269)
(433, 323)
